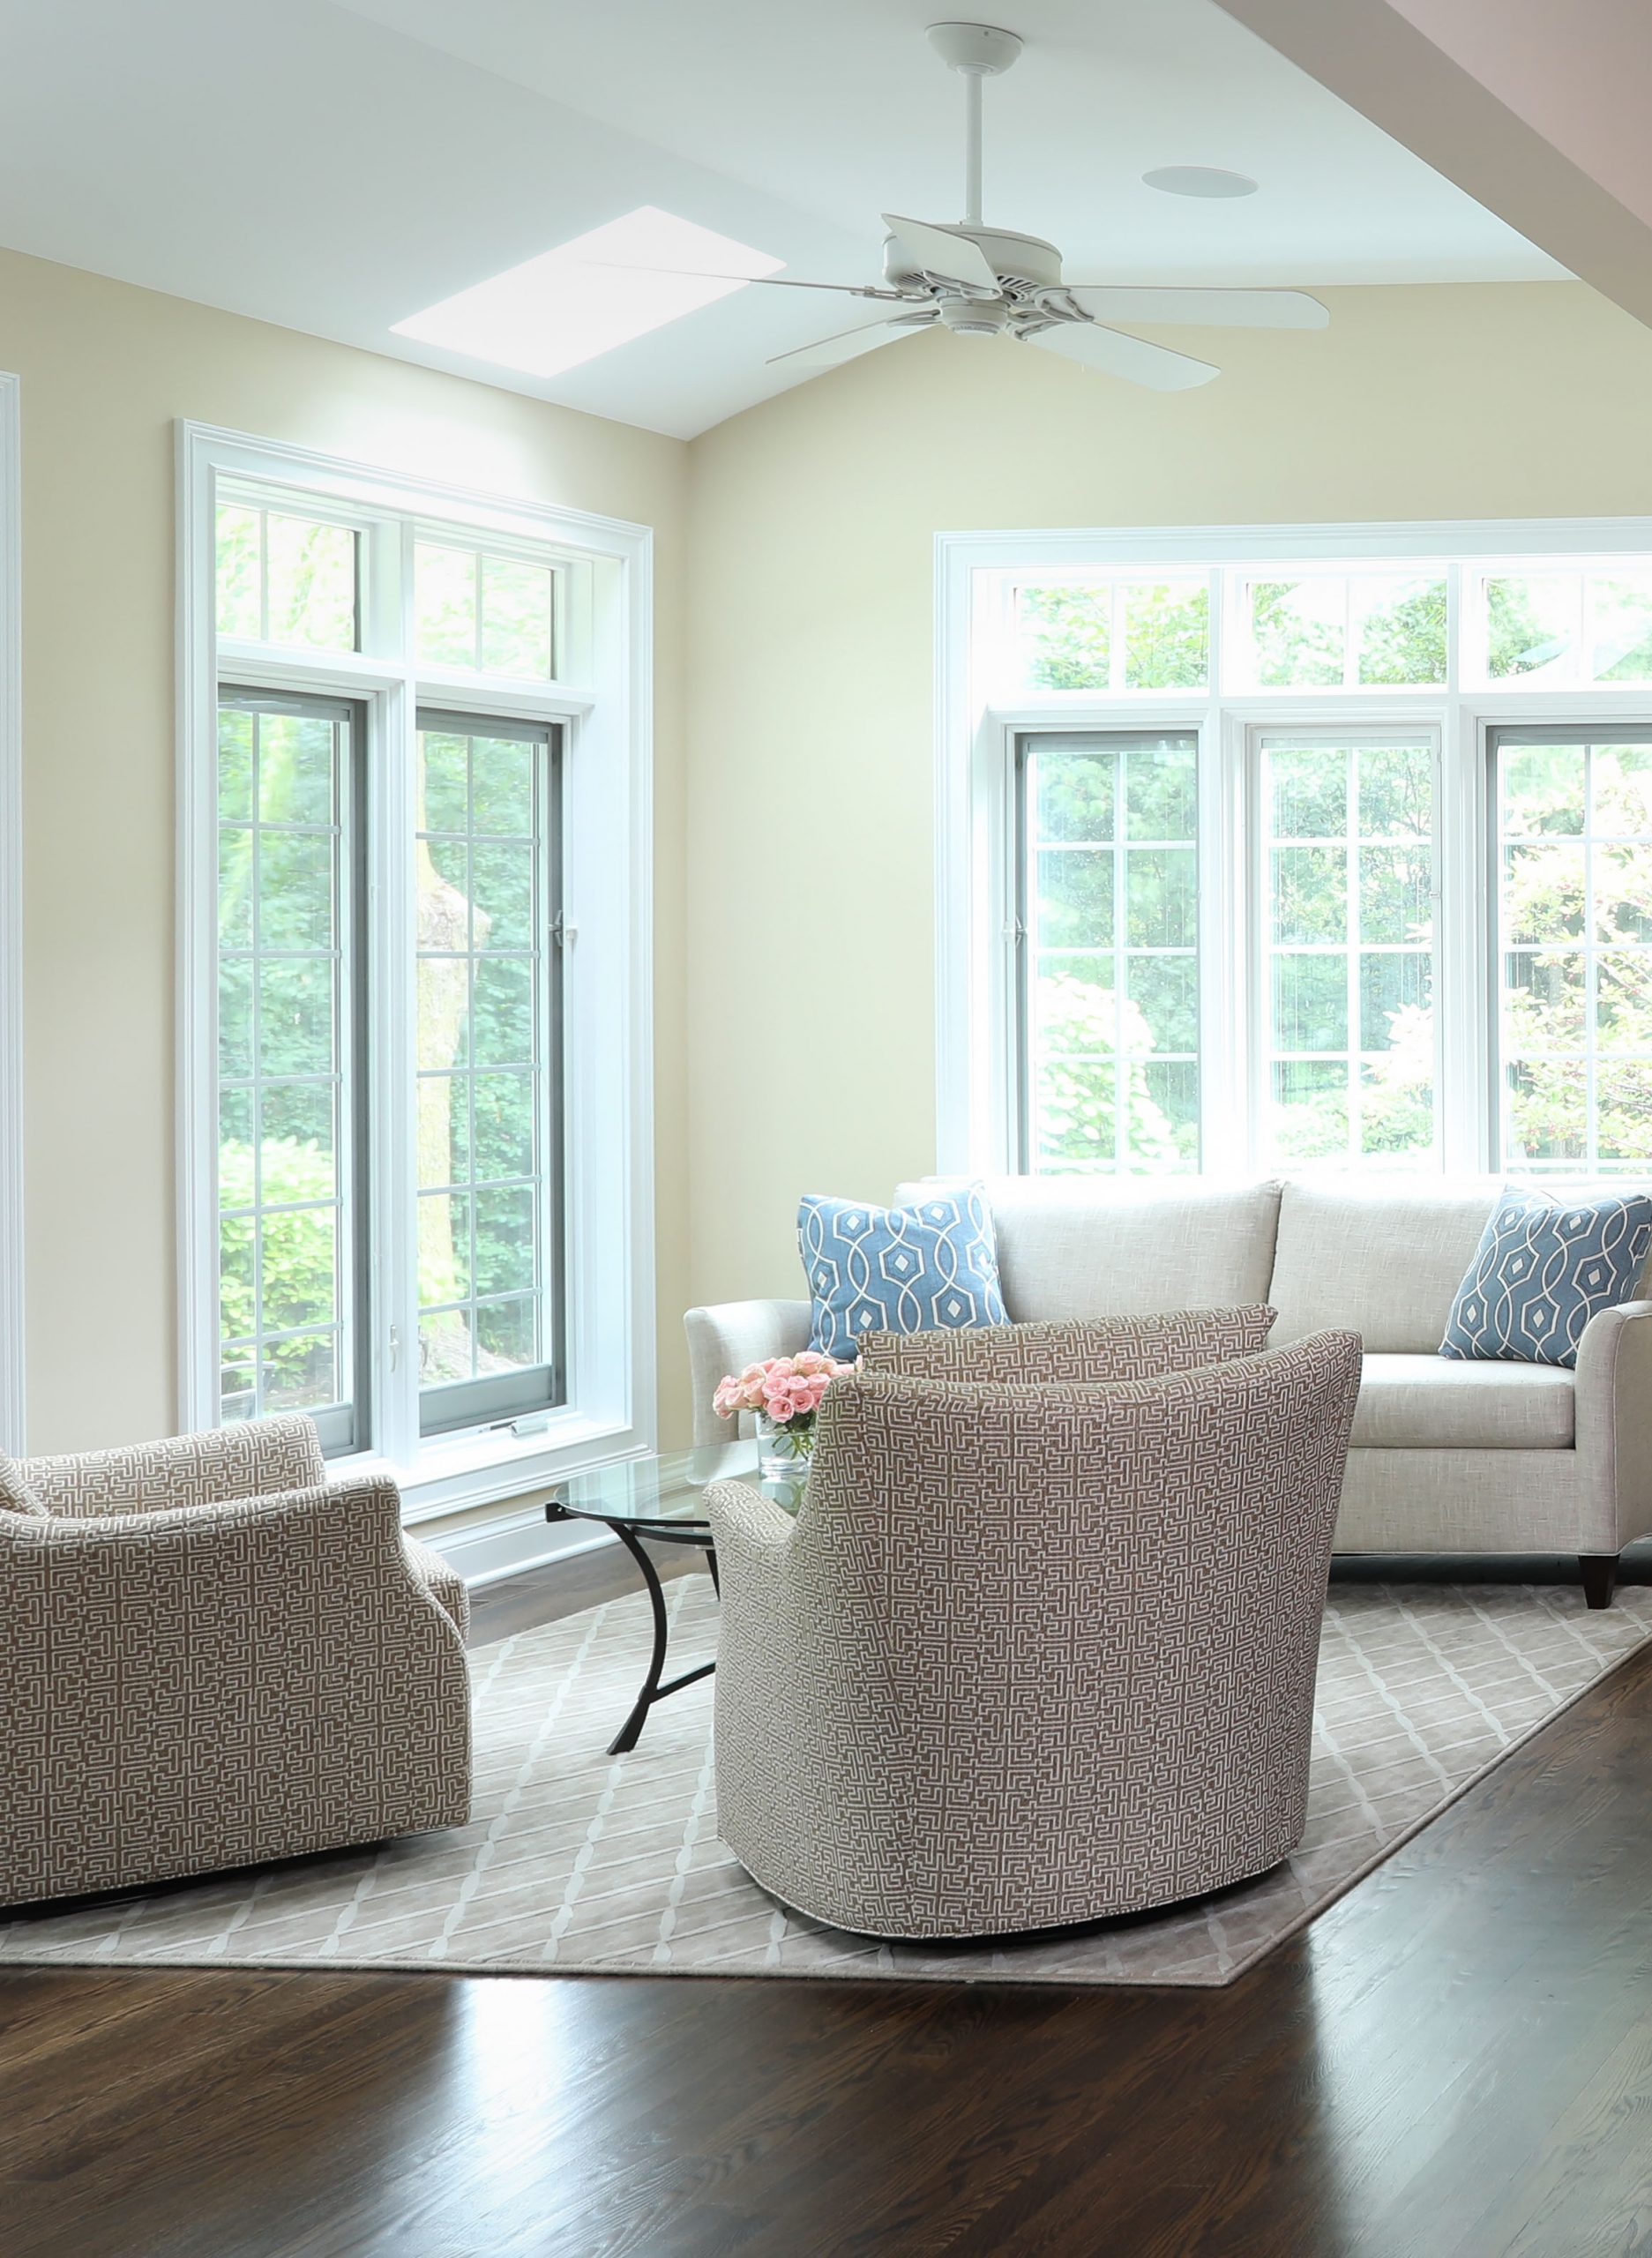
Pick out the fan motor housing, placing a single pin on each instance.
(1024, 260)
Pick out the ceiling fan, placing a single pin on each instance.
(984, 281)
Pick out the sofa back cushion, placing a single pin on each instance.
(1073, 1247)
(1384, 1257)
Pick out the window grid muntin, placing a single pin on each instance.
(342, 1420)
(541, 1377)
(1590, 739)
(1116, 746)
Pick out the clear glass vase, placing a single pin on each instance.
(782, 1451)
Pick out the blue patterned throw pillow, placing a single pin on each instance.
(1545, 1268)
(899, 1269)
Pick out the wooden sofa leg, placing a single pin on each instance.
(1600, 1575)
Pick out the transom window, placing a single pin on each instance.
(476, 609)
(1264, 859)
(1343, 630)
(1311, 628)
(1117, 634)
(287, 579)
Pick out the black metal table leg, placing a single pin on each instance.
(626, 1737)
(629, 1531)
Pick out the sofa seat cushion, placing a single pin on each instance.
(1079, 1247)
(1418, 1402)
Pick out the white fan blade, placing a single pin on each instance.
(1214, 308)
(827, 352)
(759, 282)
(937, 251)
(1119, 355)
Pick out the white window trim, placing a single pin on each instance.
(975, 745)
(13, 1375)
(607, 904)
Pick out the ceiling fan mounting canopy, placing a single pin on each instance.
(979, 48)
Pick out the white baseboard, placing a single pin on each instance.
(507, 1545)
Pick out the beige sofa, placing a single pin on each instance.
(1446, 1457)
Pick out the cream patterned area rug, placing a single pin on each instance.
(578, 1860)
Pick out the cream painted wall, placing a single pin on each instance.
(811, 943)
(795, 565)
(105, 370)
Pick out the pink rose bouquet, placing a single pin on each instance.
(784, 1391)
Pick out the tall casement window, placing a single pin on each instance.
(413, 1087)
(1572, 883)
(1345, 884)
(1109, 947)
(490, 1089)
(1297, 850)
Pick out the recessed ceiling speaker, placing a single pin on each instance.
(1199, 180)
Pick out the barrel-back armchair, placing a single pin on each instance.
(1031, 1653)
(215, 1657)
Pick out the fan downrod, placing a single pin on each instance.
(975, 51)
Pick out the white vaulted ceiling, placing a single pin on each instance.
(338, 167)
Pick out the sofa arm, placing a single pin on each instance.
(1614, 1426)
(725, 1339)
(218, 1685)
(257, 1458)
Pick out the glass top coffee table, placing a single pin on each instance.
(662, 1499)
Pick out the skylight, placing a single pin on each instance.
(586, 296)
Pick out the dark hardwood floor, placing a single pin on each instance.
(1454, 2062)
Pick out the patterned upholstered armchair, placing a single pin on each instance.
(212, 1658)
(1031, 1653)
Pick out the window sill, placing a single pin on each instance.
(480, 1468)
